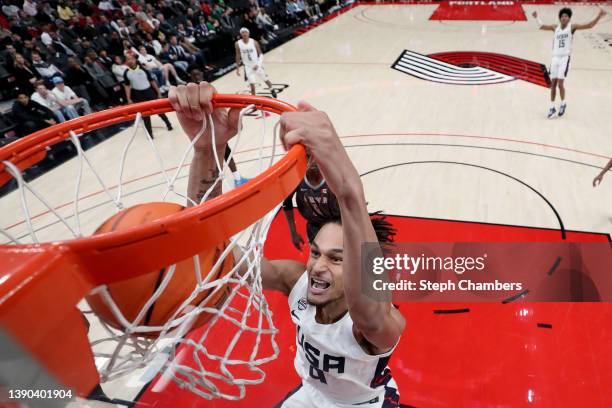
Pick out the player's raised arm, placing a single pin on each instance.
(541, 25)
(376, 321)
(193, 105)
(591, 23)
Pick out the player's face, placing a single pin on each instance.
(564, 19)
(324, 266)
(244, 35)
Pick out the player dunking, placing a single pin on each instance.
(344, 338)
(249, 53)
(562, 48)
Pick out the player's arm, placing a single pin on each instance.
(193, 106)
(127, 87)
(377, 321)
(128, 92)
(591, 23)
(259, 55)
(237, 47)
(540, 24)
(597, 180)
(297, 240)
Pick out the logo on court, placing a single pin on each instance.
(470, 68)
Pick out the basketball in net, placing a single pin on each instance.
(176, 291)
(132, 295)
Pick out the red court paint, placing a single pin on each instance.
(526, 70)
(479, 10)
(517, 354)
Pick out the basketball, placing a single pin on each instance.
(131, 295)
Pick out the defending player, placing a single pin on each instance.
(344, 338)
(562, 48)
(315, 202)
(249, 53)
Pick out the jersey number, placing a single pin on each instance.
(327, 363)
(562, 43)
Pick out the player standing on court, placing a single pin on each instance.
(562, 48)
(344, 337)
(249, 53)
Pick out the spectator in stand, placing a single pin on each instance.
(8, 54)
(29, 7)
(82, 83)
(115, 46)
(119, 67)
(152, 44)
(46, 14)
(45, 37)
(264, 21)
(59, 59)
(166, 56)
(161, 71)
(179, 53)
(45, 98)
(66, 97)
(104, 59)
(140, 86)
(106, 5)
(45, 70)
(294, 11)
(60, 45)
(222, 15)
(203, 28)
(30, 48)
(104, 26)
(25, 75)
(103, 79)
(64, 11)
(11, 11)
(31, 116)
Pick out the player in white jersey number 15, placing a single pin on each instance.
(344, 336)
(562, 48)
(249, 53)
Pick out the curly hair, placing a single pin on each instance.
(567, 11)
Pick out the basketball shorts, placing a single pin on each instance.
(559, 67)
(252, 75)
(304, 396)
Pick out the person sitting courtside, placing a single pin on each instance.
(31, 116)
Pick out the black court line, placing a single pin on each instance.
(451, 311)
(545, 325)
(554, 210)
(555, 266)
(515, 297)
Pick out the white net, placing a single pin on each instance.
(221, 331)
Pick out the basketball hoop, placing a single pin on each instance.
(42, 281)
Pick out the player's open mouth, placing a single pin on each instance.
(318, 285)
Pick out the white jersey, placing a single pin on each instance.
(330, 362)
(562, 42)
(248, 52)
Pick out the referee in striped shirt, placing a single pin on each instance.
(140, 86)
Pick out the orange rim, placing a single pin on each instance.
(119, 255)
